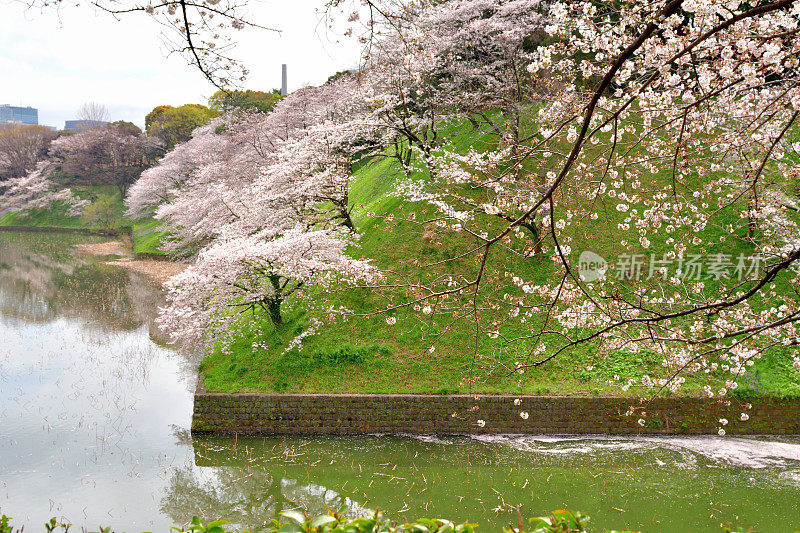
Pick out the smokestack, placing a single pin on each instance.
(283, 80)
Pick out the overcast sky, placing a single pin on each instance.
(57, 61)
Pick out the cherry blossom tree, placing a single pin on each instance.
(114, 154)
(260, 204)
(37, 190)
(659, 138)
(198, 187)
(668, 132)
(256, 272)
(21, 148)
(455, 62)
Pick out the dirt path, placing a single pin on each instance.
(105, 248)
(160, 271)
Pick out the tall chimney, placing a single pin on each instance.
(283, 80)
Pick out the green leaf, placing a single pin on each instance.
(321, 521)
(446, 525)
(296, 516)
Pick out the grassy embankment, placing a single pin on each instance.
(364, 354)
(145, 233)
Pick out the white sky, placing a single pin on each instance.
(57, 61)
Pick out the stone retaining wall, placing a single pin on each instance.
(347, 414)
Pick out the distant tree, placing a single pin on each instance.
(103, 213)
(174, 125)
(115, 154)
(222, 101)
(125, 126)
(336, 75)
(21, 147)
(93, 112)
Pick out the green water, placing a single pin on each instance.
(94, 411)
(687, 484)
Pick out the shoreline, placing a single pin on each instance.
(159, 270)
(75, 231)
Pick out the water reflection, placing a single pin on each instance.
(42, 278)
(248, 498)
(87, 398)
(246, 488)
(93, 418)
(681, 484)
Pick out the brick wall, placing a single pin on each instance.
(342, 414)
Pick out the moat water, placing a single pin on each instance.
(95, 410)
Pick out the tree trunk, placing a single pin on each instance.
(537, 237)
(274, 308)
(274, 303)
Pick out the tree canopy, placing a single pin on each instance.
(174, 125)
(114, 154)
(229, 100)
(21, 148)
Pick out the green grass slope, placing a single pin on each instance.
(365, 354)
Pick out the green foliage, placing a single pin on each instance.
(222, 101)
(346, 354)
(240, 369)
(147, 238)
(174, 125)
(333, 522)
(52, 525)
(291, 521)
(103, 213)
(335, 76)
(129, 127)
(55, 217)
(147, 235)
(559, 521)
(624, 363)
(460, 362)
(198, 526)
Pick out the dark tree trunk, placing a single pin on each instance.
(274, 304)
(274, 308)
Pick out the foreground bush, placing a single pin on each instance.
(559, 521)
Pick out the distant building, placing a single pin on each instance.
(18, 115)
(83, 125)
